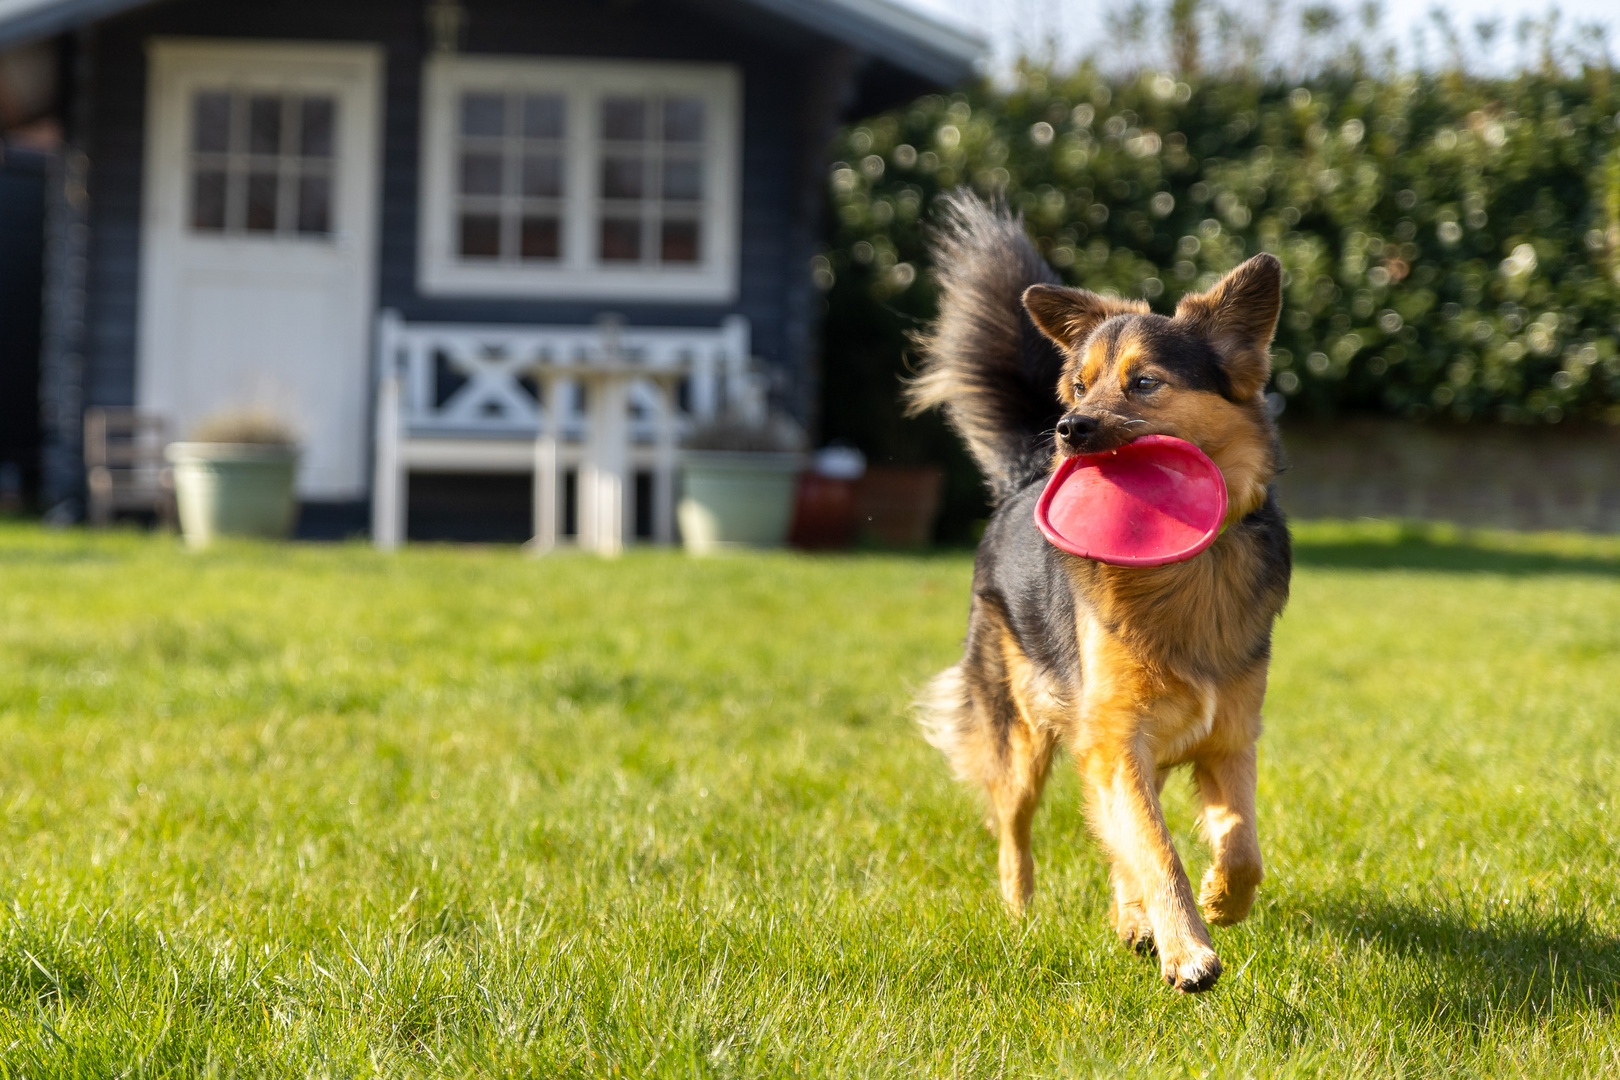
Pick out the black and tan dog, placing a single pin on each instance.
(1134, 671)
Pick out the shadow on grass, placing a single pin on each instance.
(1417, 550)
(1516, 963)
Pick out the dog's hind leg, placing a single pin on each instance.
(987, 739)
(1015, 786)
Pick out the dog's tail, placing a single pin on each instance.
(984, 362)
(945, 714)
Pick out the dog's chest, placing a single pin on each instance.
(1204, 621)
(1126, 701)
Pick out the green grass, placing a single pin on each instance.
(311, 811)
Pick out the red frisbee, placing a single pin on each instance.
(1153, 501)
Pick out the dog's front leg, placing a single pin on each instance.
(1227, 785)
(1126, 813)
(1225, 768)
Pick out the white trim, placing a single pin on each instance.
(577, 274)
(951, 37)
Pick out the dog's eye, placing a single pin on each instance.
(1079, 388)
(1146, 382)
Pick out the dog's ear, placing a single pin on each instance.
(1239, 317)
(1068, 316)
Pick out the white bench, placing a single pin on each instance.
(604, 402)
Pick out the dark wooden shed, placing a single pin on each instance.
(246, 189)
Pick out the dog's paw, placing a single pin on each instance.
(1015, 900)
(1134, 930)
(1193, 972)
(1228, 893)
(1017, 882)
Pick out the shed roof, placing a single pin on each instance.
(922, 47)
(908, 39)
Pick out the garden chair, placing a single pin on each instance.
(123, 455)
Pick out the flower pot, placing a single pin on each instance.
(896, 504)
(734, 499)
(235, 489)
(824, 516)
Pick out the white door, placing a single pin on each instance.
(258, 244)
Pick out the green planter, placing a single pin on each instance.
(234, 489)
(734, 499)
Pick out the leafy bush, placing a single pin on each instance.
(1452, 242)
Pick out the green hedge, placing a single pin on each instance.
(1452, 243)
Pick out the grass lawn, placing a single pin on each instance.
(312, 811)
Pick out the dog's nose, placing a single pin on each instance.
(1075, 427)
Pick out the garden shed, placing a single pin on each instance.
(283, 204)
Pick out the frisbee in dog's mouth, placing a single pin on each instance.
(1155, 500)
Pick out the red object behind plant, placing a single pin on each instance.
(824, 513)
(896, 504)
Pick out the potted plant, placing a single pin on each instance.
(235, 477)
(738, 484)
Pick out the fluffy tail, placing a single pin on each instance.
(984, 362)
(945, 714)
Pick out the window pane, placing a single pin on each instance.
(208, 201)
(480, 236)
(624, 118)
(264, 125)
(480, 174)
(622, 177)
(543, 116)
(315, 128)
(315, 205)
(542, 177)
(683, 120)
(683, 180)
(483, 114)
(680, 242)
(211, 123)
(261, 202)
(540, 236)
(621, 239)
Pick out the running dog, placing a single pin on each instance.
(1133, 671)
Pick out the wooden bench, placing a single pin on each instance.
(600, 405)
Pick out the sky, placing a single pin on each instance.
(1018, 26)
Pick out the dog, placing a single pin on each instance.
(1133, 671)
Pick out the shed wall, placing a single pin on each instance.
(782, 140)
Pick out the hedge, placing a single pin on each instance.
(1451, 242)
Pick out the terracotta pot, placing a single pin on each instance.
(896, 504)
(824, 513)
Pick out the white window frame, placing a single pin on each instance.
(579, 274)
